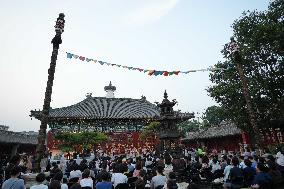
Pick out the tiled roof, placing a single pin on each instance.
(101, 107)
(17, 137)
(224, 129)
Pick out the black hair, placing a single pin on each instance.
(142, 173)
(54, 184)
(262, 167)
(15, 159)
(247, 162)
(271, 158)
(235, 161)
(130, 160)
(138, 166)
(215, 160)
(228, 161)
(160, 169)
(205, 159)
(171, 184)
(139, 184)
(117, 168)
(123, 168)
(86, 173)
(168, 160)
(261, 160)
(105, 175)
(64, 180)
(40, 177)
(104, 165)
(15, 170)
(76, 186)
(172, 175)
(193, 186)
(58, 176)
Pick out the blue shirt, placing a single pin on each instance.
(249, 174)
(13, 183)
(236, 176)
(130, 168)
(254, 164)
(262, 179)
(104, 185)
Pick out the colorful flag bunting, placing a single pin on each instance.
(150, 72)
(69, 55)
(82, 58)
(176, 72)
(166, 73)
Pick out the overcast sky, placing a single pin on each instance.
(157, 34)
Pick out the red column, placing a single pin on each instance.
(245, 138)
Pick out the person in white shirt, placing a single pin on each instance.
(86, 181)
(242, 164)
(172, 177)
(75, 173)
(215, 165)
(117, 177)
(159, 179)
(227, 169)
(40, 178)
(43, 163)
(59, 176)
(280, 158)
(78, 160)
(148, 162)
(168, 166)
(62, 163)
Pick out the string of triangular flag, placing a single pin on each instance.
(148, 71)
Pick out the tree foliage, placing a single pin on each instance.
(69, 141)
(190, 126)
(150, 130)
(260, 36)
(213, 116)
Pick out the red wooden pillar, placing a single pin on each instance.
(245, 138)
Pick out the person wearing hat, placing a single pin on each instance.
(14, 182)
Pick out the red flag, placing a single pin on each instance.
(166, 73)
(82, 58)
(176, 72)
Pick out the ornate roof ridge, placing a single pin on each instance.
(99, 97)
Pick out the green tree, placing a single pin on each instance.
(190, 126)
(69, 141)
(150, 130)
(260, 37)
(213, 116)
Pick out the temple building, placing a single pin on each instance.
(16, 142)
(121, 118)
(227, 136)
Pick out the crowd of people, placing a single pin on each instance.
(195, 167)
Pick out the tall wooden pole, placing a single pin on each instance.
(56, 41)
(256, 140)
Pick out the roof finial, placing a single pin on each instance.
(165, 94)
(110, 90)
